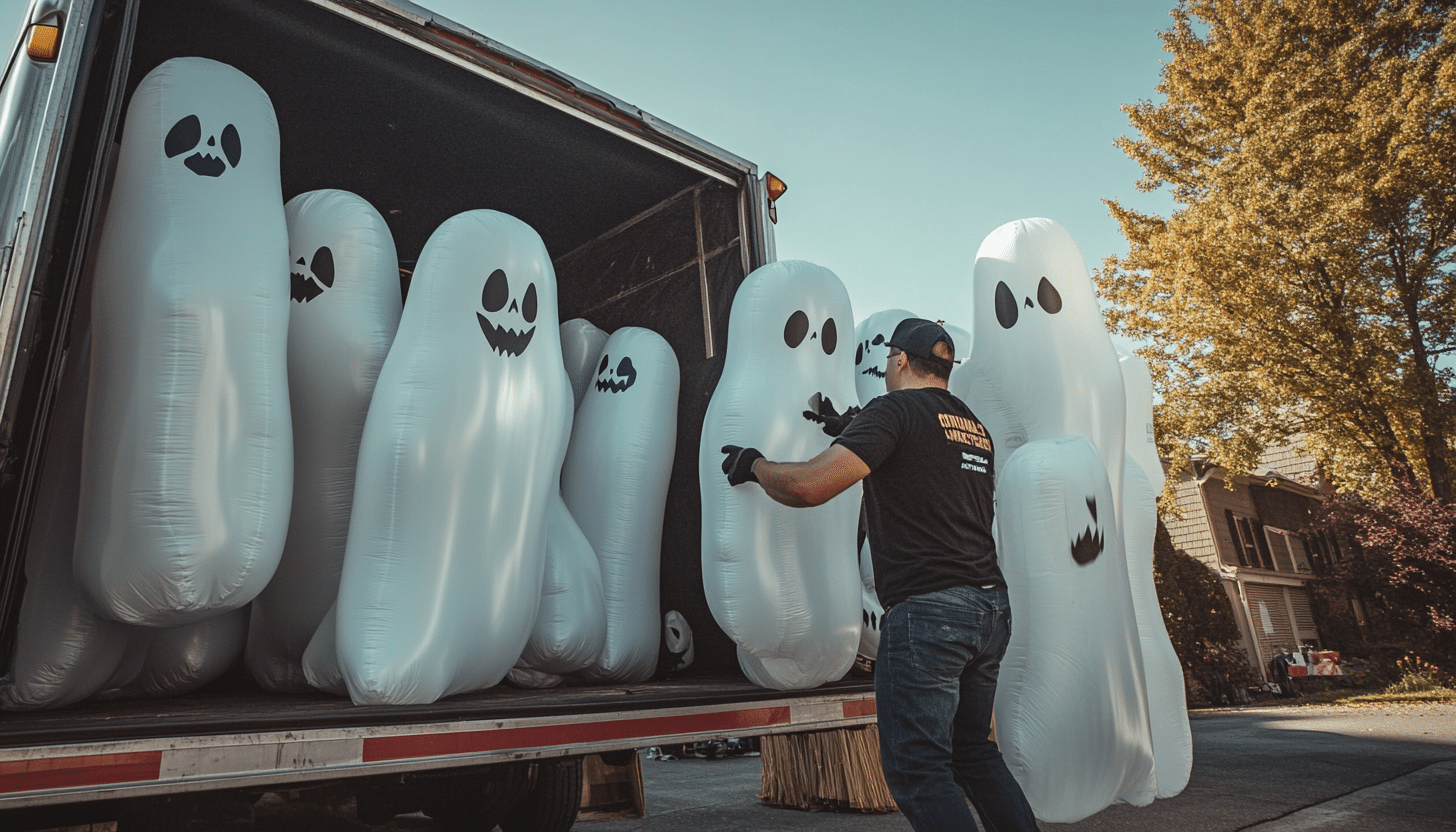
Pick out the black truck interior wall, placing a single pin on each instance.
(638, 238)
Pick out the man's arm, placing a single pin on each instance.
(812, 483)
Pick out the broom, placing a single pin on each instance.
(836, 770)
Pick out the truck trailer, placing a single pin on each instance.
(646, 225)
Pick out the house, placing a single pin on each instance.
(1248, 530)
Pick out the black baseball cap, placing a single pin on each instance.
(918, 337)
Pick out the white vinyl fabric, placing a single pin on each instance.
(581, 349)
(346, 307)
(458, 461)
(64, 650)
(188, 454)
(870, 351)
(1143, 479)
(615, 484)
(571, 624)
(176, 660)
(1072, 705)
(782, 582)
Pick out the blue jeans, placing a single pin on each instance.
(935, 683)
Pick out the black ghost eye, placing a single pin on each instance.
(795, 329)
(859, 354)
(1048, 297)
(183, 136)
(497, 291)
(829, 337)
(625, 368)
(879, 339)
(528, 305)
(1006, 310)
(323, 265)
(232, 145)
(603, 368)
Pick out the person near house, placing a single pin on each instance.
(928, 467)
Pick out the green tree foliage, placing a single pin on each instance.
(1304, 283)
(1198, 615)
(1401, 565)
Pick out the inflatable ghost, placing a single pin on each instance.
(782, 582)
(581, 348)
(1071, 706)
(346, 307)
(1142, 480)
(678, 652)
(320, 658)
(458, 460)
(187, 460)
(615, 484)
(176, 660)
(870, 351)
(64, 650)
(571, 623)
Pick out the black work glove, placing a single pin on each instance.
(834, 422)
(738, 465)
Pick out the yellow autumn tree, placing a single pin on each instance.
(1303, 285)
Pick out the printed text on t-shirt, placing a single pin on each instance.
(971, 462)
(966, 431)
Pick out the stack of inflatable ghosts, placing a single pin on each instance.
(1090, 691)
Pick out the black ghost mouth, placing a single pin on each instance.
(873, 371)
(305, 289)
(609, 386)
(205, 164)
(1088, 544)
(505, 341)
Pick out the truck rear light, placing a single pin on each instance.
(775, 188)
(44, 42)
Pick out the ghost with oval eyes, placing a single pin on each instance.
(782, 582)
(1071, 704)
(346, 307)
(187, 460)
(615, 483)
(459, 457)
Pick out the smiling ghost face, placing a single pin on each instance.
(309, 279)
(501, 334)
(187, 134)
(616, 380)
(867, 360)
(797, 327)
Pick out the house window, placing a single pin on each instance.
(1288, 551)
(1250, 545)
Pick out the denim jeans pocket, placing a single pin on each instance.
(942, 643)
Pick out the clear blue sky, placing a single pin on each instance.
(906, 132)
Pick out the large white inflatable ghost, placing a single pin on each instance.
(615, 483)
(64, 650)
(346, 307)
(321, 658)
(188, 456)
(581, 348)
(782, 582)
(1143, 479)
(458, 460)
(870, 351)
(962, 338)
(1071, 706)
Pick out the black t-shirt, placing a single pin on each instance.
(930, 494)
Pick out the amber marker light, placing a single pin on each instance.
(775, 188)
(45, 42)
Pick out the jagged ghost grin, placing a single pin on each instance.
(502, 340)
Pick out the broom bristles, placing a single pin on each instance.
(838, 770)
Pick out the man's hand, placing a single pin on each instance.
(834, 422)
(738, 465)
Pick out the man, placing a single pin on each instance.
(927, 463)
